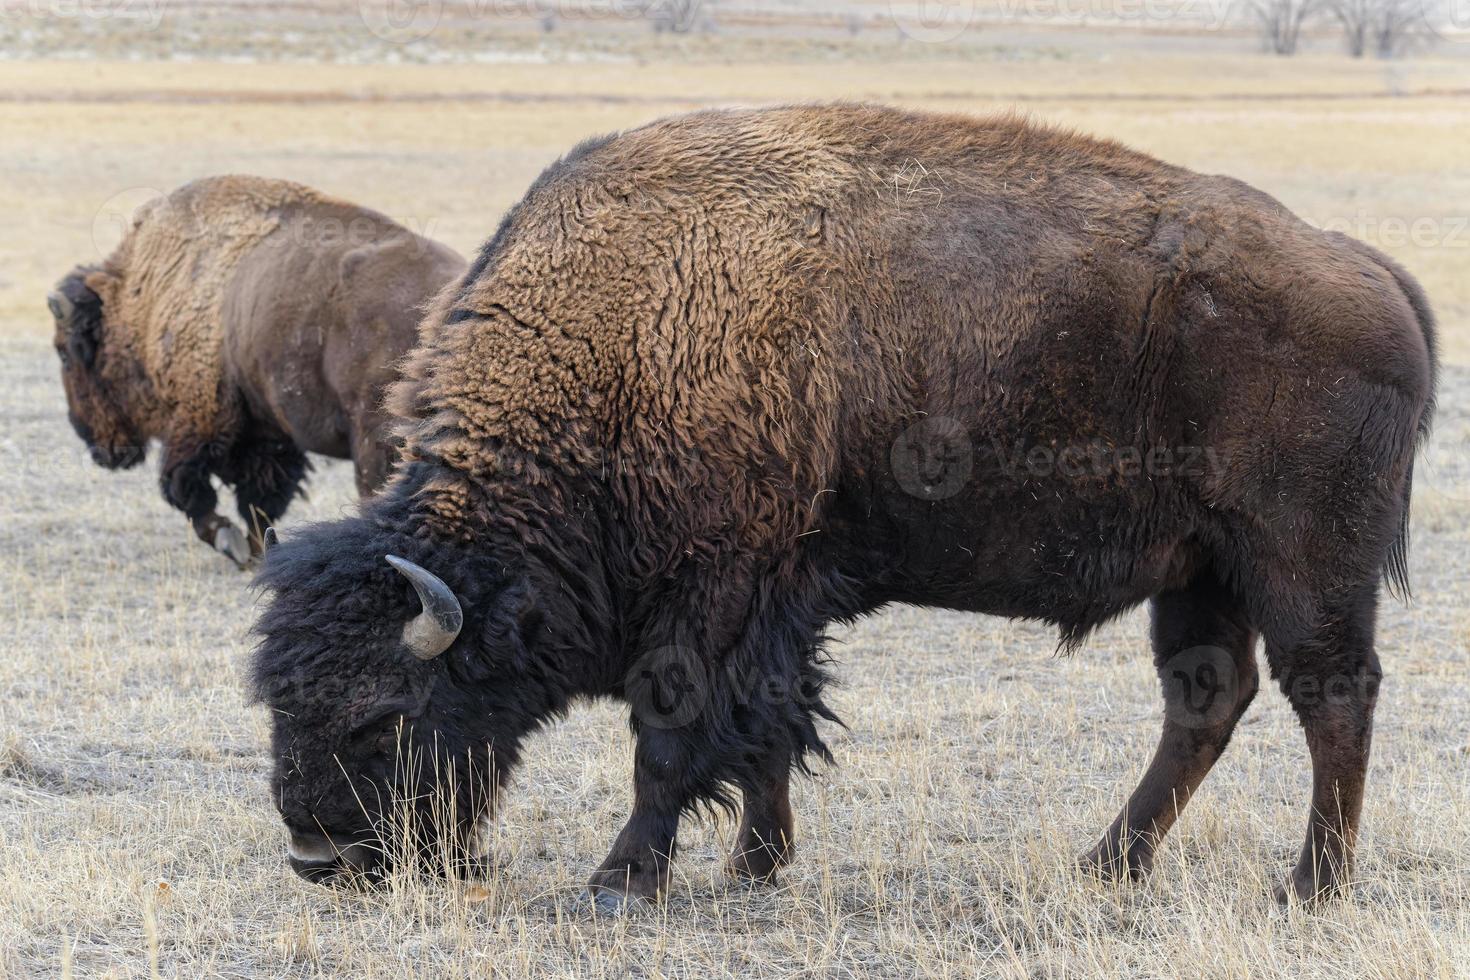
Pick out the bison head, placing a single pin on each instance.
(394, 672)
(91, 373)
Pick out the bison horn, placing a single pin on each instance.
(432, 631)
(269, 540)
(60, 306)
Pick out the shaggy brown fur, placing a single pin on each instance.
(244, 322)
(721, 380)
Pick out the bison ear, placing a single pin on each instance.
(352, 264)
(97, 280)
(365, 265)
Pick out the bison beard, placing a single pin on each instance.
(720, 381)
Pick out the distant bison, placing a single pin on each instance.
(244, 322)
(720, 381)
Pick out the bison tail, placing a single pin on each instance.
(1396, 571)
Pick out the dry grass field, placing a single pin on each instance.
(136, 834)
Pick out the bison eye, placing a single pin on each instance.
(387, 742)
(381, 738)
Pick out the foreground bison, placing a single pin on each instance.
(722, 380)
(244, 323)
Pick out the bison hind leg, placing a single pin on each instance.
(1204, 652)
(1331, 674)
(766, 839)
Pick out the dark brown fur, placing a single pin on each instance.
(721, 380)
(244, 322)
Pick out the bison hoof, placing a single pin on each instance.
(1307, 888)
(607, 901)
(759, 864)
(1108, 862)
(229, 542)
(620, 889)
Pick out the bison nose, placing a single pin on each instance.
(320, 858)
(319, 872)
(311, 848)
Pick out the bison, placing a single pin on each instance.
(244, 322)
(720, 381)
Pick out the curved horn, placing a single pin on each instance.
(61, 307)
(432, 631)
(269, 540)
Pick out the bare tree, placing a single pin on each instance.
(1388, 26)
(1355, 17)
(1398, 24)
(1281, 21)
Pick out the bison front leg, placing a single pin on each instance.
(1205, 656)
(638, 866)
(186, 483)
(267, 475)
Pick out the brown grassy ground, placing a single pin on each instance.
(135, 831)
